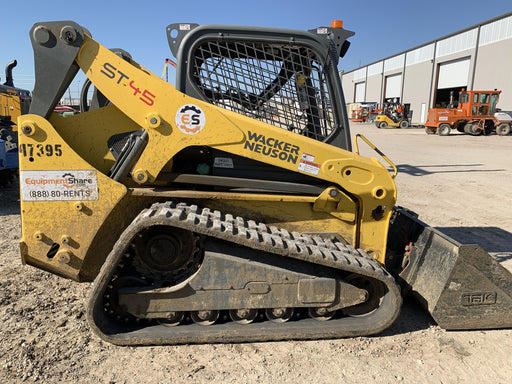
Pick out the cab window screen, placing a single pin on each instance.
(279, 84)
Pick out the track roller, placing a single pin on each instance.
(204, 317)
(279, 315)
(172, 319)
(243, 316)
(321, 313)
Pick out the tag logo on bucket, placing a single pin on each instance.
(478, 298)
(190, 119)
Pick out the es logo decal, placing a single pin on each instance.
(190, 119)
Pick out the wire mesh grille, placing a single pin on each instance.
(283, 85)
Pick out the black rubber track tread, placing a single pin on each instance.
(248, 233)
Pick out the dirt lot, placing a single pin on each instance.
(459, 184)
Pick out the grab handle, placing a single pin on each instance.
(395, 170)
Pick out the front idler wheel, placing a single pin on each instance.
(375, 292)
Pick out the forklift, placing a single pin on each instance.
(394, 114)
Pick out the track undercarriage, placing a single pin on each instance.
(232, 280)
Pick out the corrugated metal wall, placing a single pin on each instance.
(481, 54)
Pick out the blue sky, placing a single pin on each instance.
(382, 28)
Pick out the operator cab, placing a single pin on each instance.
(285, 78)
(479, 103)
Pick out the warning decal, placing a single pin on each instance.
(307, 164)
(59, 185)
(223, 162)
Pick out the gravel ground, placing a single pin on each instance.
(459, 184)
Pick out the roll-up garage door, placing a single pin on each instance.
(393, 86)
(359, 95)
(453, 74)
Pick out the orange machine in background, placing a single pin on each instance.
(473, 114)
(366, 112)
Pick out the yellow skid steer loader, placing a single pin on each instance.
(230, 207)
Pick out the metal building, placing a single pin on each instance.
(475, 58)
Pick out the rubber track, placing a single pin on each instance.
(248, 233)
